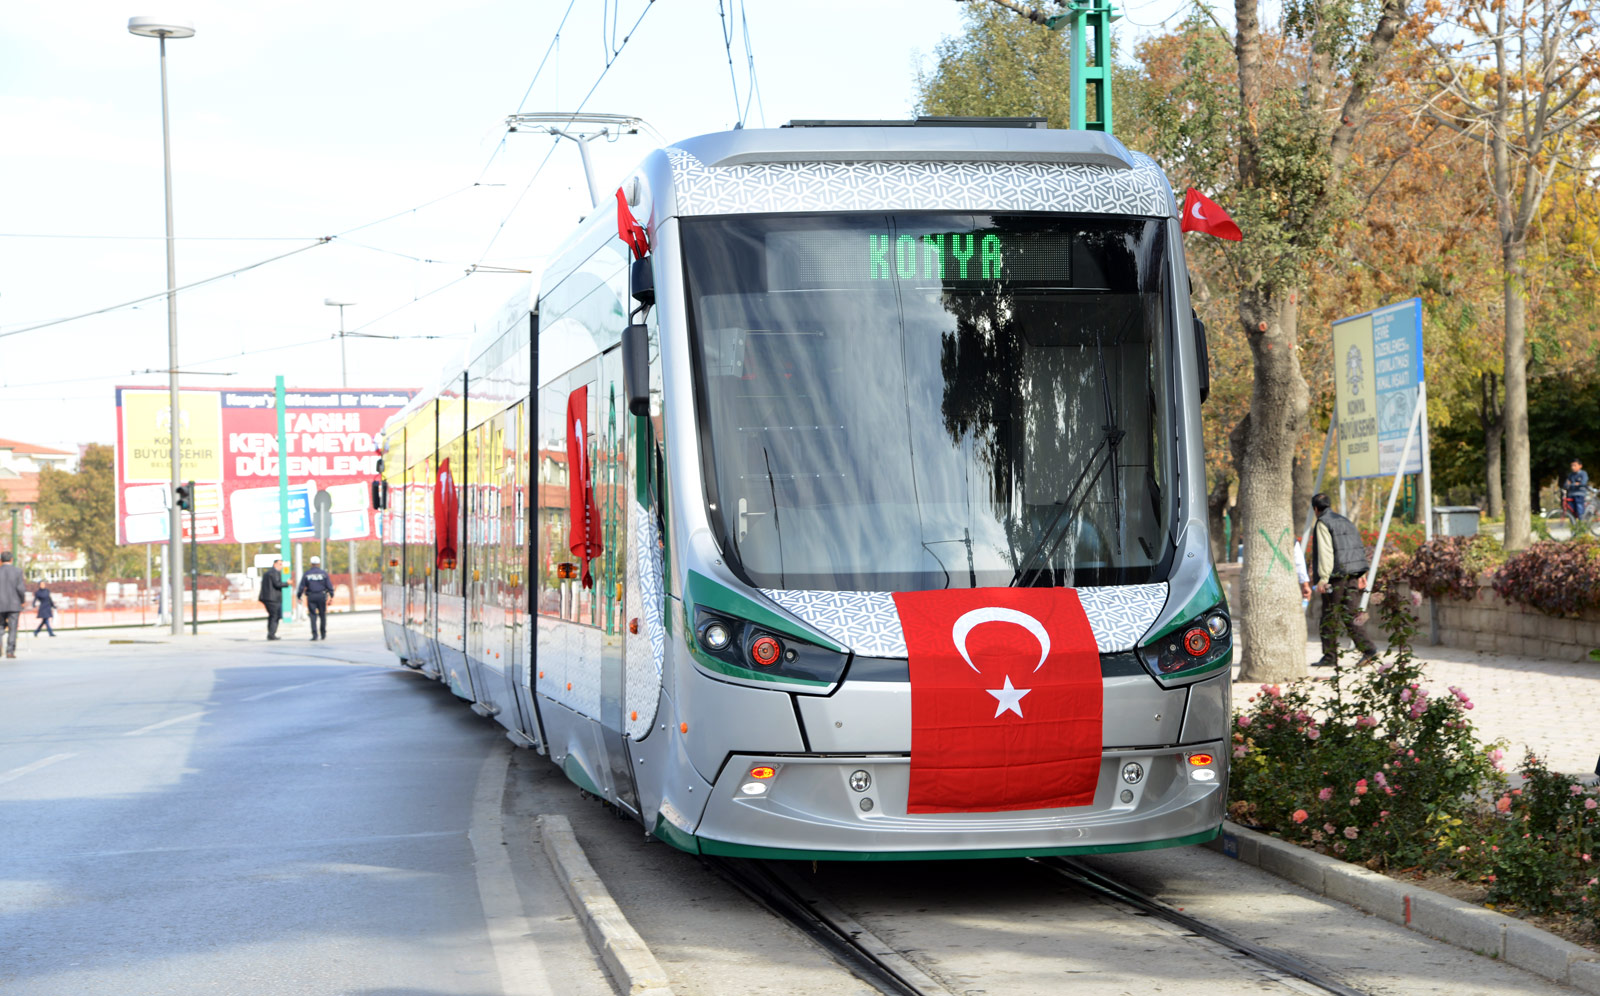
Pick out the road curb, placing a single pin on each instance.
(634, 969)
(1416, 908)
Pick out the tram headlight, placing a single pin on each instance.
(739, 648)
(715, 635)
(1191, 648)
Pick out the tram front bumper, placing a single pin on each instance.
(843, 807)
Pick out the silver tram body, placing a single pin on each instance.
(920, 425)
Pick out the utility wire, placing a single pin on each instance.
(727, 46)
(162, 238)
(754, 85)
(151, 297)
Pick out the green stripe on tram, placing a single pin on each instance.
(686, 841)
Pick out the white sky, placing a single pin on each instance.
(294, 119)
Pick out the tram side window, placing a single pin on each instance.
(559, 571)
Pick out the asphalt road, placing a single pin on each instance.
(222, 815)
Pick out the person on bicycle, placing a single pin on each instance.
(1576, 486)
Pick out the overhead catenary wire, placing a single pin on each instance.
(727, 47)
(151, 297)
(611, 60)
(753, 85)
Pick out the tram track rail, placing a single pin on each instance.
(786, 895)
(855, 947)
(1104, 886)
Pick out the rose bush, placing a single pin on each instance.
(1381, 765)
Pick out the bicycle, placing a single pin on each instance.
(1589, 521)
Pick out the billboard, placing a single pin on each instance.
(228, 439)
(1377, 369)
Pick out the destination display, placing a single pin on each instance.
(811, 260)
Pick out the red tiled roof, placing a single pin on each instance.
(20, 447)
(20, 490)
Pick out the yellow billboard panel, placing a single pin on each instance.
(1355, 395)
(147, 436)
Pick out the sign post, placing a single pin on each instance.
(283, 483)
(1381, 406)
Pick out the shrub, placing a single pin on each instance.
(1376, 769)
(1402, 540)
(1535, 848)
(1449, 567)
(1558, 579)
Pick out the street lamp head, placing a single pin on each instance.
(160, 27)
(330, 302)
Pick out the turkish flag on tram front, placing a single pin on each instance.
(1006, 699)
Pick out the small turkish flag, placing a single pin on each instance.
(628, 229)
(446, 505)
(583, 535)
(1202, 214)
(1006, 699)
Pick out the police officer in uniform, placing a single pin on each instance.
(315, 588)
(1338, 567)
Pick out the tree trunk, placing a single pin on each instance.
(1305, 485)
(1518, 471)
(1271, 626)
(1216, 505)
(1492, 415)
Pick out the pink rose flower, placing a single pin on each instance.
(1351, 833)
(1313, 733)
(1327, 794)
(1361, 787)
(1503, 804)
(1301, 815)
(1576, 789)
(1244, 720)
(1589, 804)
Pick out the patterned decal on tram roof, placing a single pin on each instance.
(867, 623)
(919, 186)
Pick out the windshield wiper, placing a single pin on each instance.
(1045, 549)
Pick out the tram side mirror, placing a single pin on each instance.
(643, 280)
(380, 492)
(1202, 355)
(636, 368)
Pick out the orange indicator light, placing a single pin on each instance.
(683, 727)
(762, 772)
(1200, 760)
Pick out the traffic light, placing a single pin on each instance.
(186, 496)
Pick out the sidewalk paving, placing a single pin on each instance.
(1552, 707)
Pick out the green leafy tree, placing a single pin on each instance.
(79, 510)
(999, 66)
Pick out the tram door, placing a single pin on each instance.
(613, 488)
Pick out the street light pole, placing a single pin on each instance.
(344, 381)
(153, 27)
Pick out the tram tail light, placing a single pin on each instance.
(1197, 647)
(1200, 760)
(762, 771)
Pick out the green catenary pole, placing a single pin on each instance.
(1090, 23)
(283, 478)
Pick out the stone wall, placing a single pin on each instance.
(1491, 624)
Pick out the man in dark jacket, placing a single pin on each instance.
(13, 596)
(315, 587)
(1338, 567)
(271, 596)
(44, 606)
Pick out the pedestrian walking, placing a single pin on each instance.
(315, 588)
(13, 596)
(44, 606)
(1338, 567)
(271, 596)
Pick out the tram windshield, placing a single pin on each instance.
(911, 401)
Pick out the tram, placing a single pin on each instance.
(744, 517)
